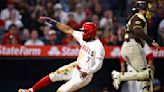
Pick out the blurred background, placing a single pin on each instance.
(21, 31)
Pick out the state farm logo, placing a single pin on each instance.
(116, 52)
(54, 51)
(63, 51)
(19, 51)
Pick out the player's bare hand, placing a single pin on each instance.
(155, 44)
(48, 19)
(83, 74)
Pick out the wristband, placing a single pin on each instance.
(51, 21)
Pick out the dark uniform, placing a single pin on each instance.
(135, 38)
(137, 29)
(132, 49)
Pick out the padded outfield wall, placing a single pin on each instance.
(16, 72)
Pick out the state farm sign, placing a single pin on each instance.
(60, 51)
(19, 51)
(64, 51)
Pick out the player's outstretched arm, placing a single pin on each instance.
(62, 27)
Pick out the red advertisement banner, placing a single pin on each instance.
(60, 51)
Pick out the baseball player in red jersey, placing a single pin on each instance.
(79, 73)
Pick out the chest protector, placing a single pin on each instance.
(129, 24)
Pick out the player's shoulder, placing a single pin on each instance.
(99, 48)
(139, 17)
(97, 41)
(77, 32)
(99, 45)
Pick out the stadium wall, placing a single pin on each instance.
(23, 72)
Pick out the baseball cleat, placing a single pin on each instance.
(26, 90)
(116, 76)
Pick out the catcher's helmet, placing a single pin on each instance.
(143, 5)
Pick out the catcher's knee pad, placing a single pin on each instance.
(147, 86)
(146, 74)
(151, 73)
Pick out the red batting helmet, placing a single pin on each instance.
(89, 30)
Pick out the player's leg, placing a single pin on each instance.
(139, 63)
(137, 59)
(63, 73)
(75, 83)
(131, 76)
(133, 86)
(147, 86)
(137, 86)
(151, 86)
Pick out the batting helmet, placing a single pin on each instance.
(89, 30)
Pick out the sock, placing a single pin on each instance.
(45, 81)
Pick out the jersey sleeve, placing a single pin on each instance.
(78, 36)
(100, 53)
(99, 57)
(122, 60)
